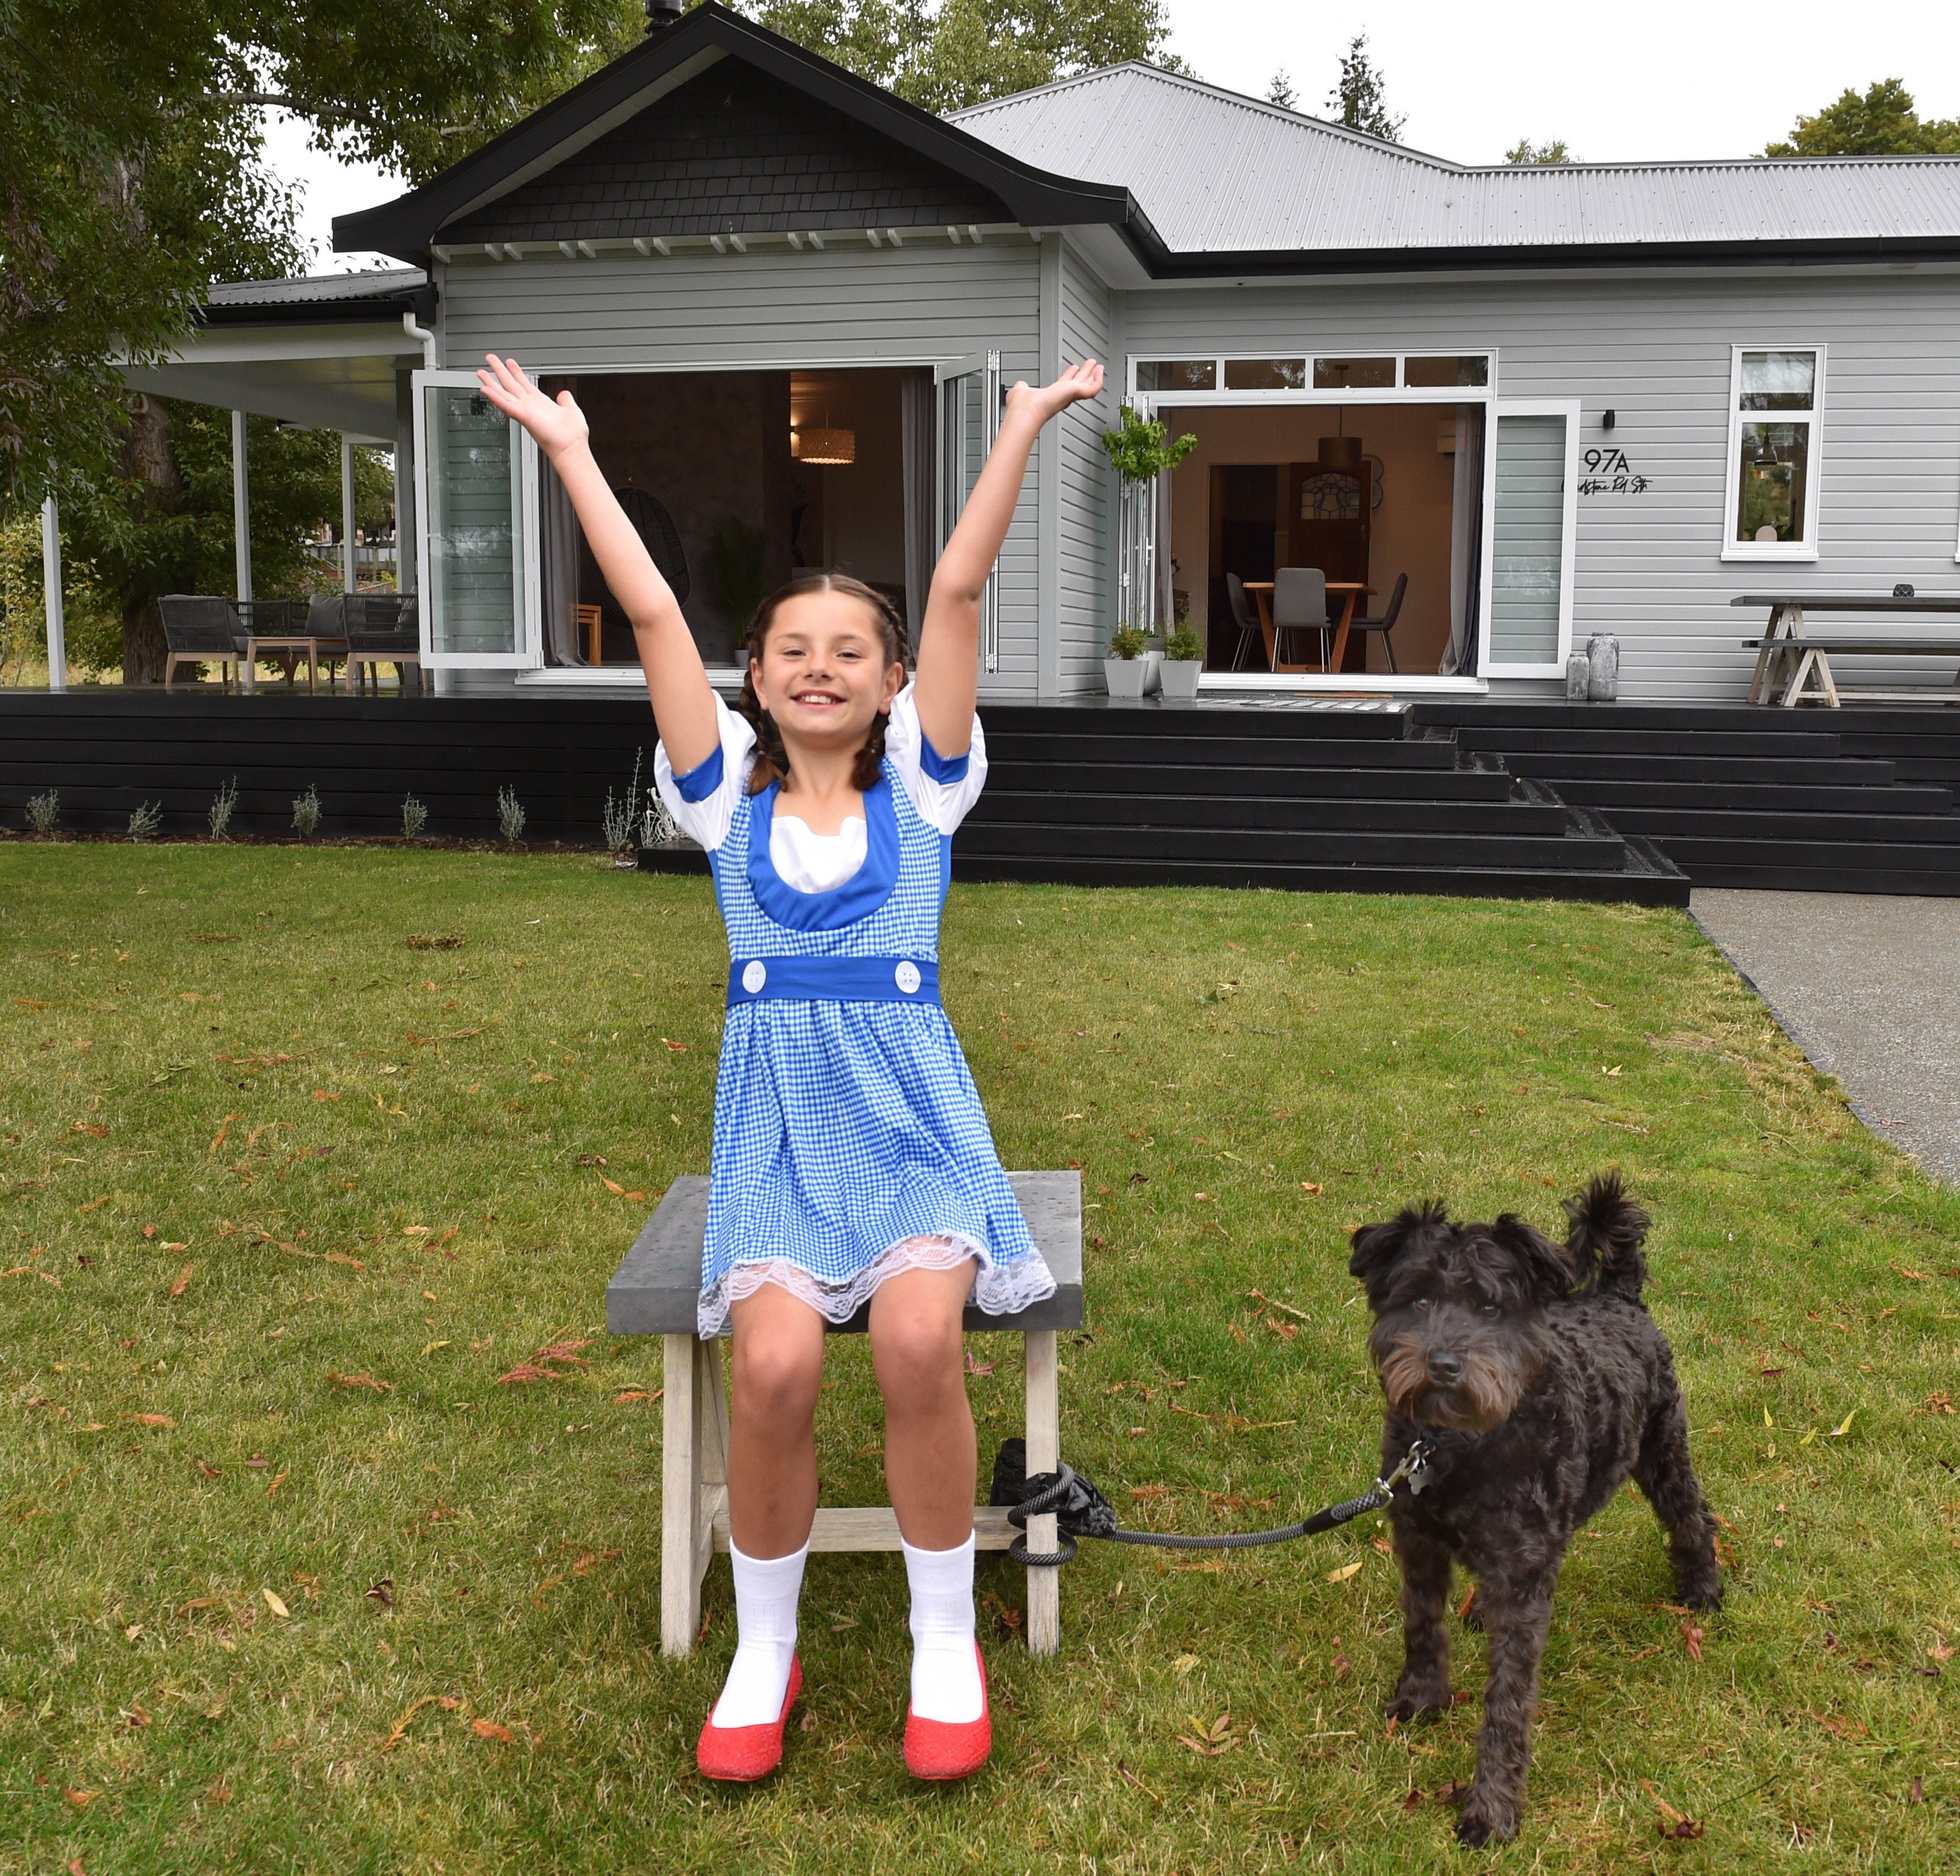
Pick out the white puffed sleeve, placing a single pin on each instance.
(943, 789)
(702, 801)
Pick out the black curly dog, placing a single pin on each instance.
(1535, 1372)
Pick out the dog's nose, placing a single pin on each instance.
(1445, 1370)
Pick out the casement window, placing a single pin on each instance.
(1775, 413)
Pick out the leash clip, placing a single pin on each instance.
(1414, 1467)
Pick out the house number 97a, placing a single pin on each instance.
(1607, 472)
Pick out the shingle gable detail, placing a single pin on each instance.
(735, 150)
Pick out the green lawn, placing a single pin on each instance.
(281, 1198)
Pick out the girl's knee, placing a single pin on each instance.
(777, 1376)
(916, 1351)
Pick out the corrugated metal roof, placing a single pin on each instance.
(376, 283)
(1216, 173)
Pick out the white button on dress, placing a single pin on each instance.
(907, 976)
(755, 976)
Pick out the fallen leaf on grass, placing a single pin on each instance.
(528, 1372)
(277, 1483)
(152, 1419)
(636, 1393)
(1345, 1571)
(273, 1602)
(566, 1352)
(210, 1472)
(448, 1702)
(183, 1281)
(1129, 1777)
(1941, 1650)
(383, 1592)
(679, 1048)
(80, 1800)
(334, 1379)
(1916, 1794)
(1691, 1634)
(199, 1602)
(1916, 1276)
(217, 1140)
(1414, 1800)
(489, 1729)
(1841, 1728)
(1208, 1742)
(1844, 1426)
(978, 1368)
(94, 1205)
(1342, 1667)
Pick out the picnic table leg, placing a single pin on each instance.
(680, 1496)
(1044, 1453)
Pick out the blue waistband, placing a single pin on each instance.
(833, 980)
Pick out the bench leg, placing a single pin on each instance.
(694, 1481)
(1044, 1439)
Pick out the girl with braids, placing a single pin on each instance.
(852, 1160)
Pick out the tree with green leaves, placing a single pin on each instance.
(1530, 155)
(956, 53)
(1281, 91)
(1883, 121)
(1359, 101)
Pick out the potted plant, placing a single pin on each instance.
(1125, 668)
(1184, 658)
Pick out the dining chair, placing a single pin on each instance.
(1386, 624)
(1245, 615)
(1300, 604)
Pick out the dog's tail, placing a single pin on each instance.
(1606, 1231)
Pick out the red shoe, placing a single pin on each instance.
(946, 1749)
(743, 1754)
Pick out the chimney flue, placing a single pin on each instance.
(662, 13)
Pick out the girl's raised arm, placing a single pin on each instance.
(946, 676)
(677, 680)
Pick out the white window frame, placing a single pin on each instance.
(1501, 408)
(985, 366)
(528, 598)
(1154, 405)
(1809, 548)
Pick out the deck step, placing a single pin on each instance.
(1273, 812)
(1140, 777)
(1567, 852)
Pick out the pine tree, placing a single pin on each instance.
(1282, 93)
(1359, 101)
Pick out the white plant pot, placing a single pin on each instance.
(1152, 663)
(1179, 678)
(1125, 676)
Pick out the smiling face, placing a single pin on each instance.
(824, 674)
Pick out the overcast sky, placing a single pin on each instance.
(1644, 80)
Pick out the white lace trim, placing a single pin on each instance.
(999, 1289)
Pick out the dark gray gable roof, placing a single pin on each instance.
(932, 163)
(737, 150)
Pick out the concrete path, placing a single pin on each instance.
(1870, 988)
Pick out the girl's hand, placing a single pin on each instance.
(1078, 382)
(556, 426)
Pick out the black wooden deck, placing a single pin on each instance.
(1622, 801)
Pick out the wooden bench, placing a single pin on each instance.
(655, 1292)
(1791, 667)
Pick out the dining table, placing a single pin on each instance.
(1349, 592)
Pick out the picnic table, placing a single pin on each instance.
(1792, 667)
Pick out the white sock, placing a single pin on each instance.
(766, 1589)
(946, 1676)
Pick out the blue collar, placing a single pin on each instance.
(858, 898)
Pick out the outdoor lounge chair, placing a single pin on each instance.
(202, 629)
(1386, 624)
(382, 628)
(327, 625)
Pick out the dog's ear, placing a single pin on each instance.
(1378, 1247)
(1606, 1232)
(1544, 1266)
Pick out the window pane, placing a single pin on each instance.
(1342, 375)
(475, 554)
(1438, 372)
(1528, 540)
(1265, 375)
(1775, 457)
(1778, 380)
(1177, 374)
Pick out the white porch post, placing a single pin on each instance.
(241, 514)
(51, 586)
(349, 571)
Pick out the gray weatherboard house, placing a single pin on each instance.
(1516, 407)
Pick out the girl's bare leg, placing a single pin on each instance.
(777, 1365)
(929, 1457)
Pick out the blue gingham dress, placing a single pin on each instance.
(850, 1141)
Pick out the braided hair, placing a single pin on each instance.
(773, 762)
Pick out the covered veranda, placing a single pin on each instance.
(331, 353)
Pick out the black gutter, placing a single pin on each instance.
(410, 225)
(382, 308)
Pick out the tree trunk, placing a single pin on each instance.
(148, 457)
